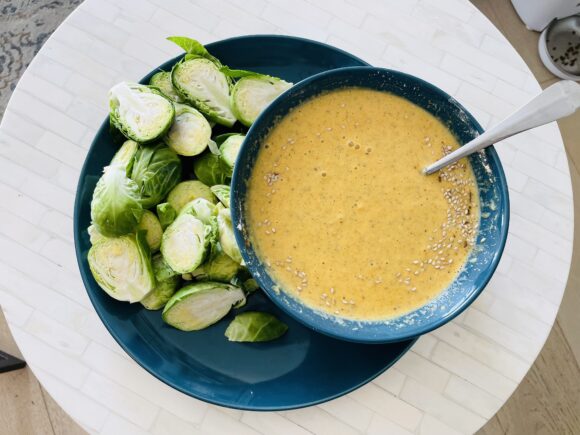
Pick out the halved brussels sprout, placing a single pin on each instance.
(252, 93)
(153, 231)
(254, 326)
(162, 81)
(190, 133)
(185, 243)
(94, 235)
(250, 285)
(230, 149)
(210, 169)
(226, 235)
(158, 297)
(201, 304)
(116, 205)
(222, 192)
(122, 267)
(161, 269)
(125, 155)
(187, 191)
(165, 287)
(156, 170)
(201, 208)
(141, 113)
(201, 83)
(166, 214)
(218, 267)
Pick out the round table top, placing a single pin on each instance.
(452, 381)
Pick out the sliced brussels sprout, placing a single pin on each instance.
(116, 205)
(253, 326)
(201, 208)
(185, 243)
(210, 169)
(213, 148)
(162, 81)
(190, 133)
(94, 234)
(125, 155)
(199, 305)
(226, 235)
(252, 93)
(187, 277)
(221, 138)
(156, 170)
(229, 151)
(153, 231)
(166, 214)
(200, 82)
(164, 289)
(122, 266)
(187, 191)
(161, 269)
(141, 113)
(218, 267)
(250, 285)
(222, 192)
(158, 297)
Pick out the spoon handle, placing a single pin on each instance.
(555, 102)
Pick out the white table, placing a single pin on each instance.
(452, 381)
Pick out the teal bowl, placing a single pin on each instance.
(493, 196)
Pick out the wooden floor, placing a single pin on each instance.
(547, 401)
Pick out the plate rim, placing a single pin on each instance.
(76, 231)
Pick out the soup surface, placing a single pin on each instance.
(341, 214)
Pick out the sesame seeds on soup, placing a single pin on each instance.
(341, 214)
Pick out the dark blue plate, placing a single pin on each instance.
(302, 368)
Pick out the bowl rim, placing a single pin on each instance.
(326, 329)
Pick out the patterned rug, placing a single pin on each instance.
(24, 27)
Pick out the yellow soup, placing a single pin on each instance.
(341, 214)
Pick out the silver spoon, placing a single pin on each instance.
(555, 102)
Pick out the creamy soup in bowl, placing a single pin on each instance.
(339, 224)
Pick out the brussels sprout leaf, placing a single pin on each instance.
(253, 326)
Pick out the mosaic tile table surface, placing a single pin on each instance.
(452, 381)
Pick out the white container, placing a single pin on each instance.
(537, 14)
(549, 63)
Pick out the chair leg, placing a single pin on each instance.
(9, 362)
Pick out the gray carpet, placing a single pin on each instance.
(25, 25)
